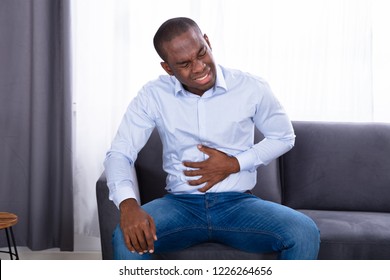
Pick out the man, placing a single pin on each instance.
(205, 115)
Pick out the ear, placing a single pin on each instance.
(207, 41)
(166, 67)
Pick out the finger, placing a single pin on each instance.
(206, 187)
(152, 229)
(207, 150)
(146, 237)
(135, 242)
(128, 243)
(192, 173)
(149, 238)
(193, 164)
(197, 182)
(137, 237)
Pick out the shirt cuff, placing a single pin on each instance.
(121, 193)
(247, 160)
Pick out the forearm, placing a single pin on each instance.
(264, 152)
(133, 132)
(121, 179)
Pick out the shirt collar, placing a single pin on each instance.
(219, 87)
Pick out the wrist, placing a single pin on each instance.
(234, 165)
(127, 204)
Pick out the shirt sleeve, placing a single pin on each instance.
(133, 132)
(272, 121)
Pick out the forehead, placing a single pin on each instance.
(184, 46)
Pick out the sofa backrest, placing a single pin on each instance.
(152, 178)
(338, 166)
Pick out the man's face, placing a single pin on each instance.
(190, 60)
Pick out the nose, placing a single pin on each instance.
(198, 66)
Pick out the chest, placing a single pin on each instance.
(206, 120)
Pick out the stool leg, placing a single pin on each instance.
(15, 253)
(9, 244)
(13, 241)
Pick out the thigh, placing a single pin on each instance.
(180, 222)
(255, 225)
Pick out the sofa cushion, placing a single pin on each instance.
(215, 251)
(352, 235)
(338, 166)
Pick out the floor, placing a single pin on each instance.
(86, 248)
(52, 254)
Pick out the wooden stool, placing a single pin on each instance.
(7, 220)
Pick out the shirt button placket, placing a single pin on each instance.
(202, 120)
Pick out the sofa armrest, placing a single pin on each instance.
(108, 215)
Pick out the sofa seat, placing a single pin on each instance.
(352, 234)
(215, 251)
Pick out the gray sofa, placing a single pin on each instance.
(337, 173)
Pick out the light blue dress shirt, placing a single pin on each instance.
(223, 118)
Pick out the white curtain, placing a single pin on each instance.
(324, 59)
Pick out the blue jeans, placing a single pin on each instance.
(239, 220)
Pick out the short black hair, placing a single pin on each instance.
(169, 30)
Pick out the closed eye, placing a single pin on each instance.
(203, 52)
(184, 65)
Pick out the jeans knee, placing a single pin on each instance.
(308, 231)
(304, 232)
(303, 241)
(310, 238)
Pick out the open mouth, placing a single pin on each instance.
(205, 78)
(202, 78)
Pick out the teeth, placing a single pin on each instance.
(202, 78)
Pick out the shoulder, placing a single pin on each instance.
(158, 88)
(238, 78)
(162, 83)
